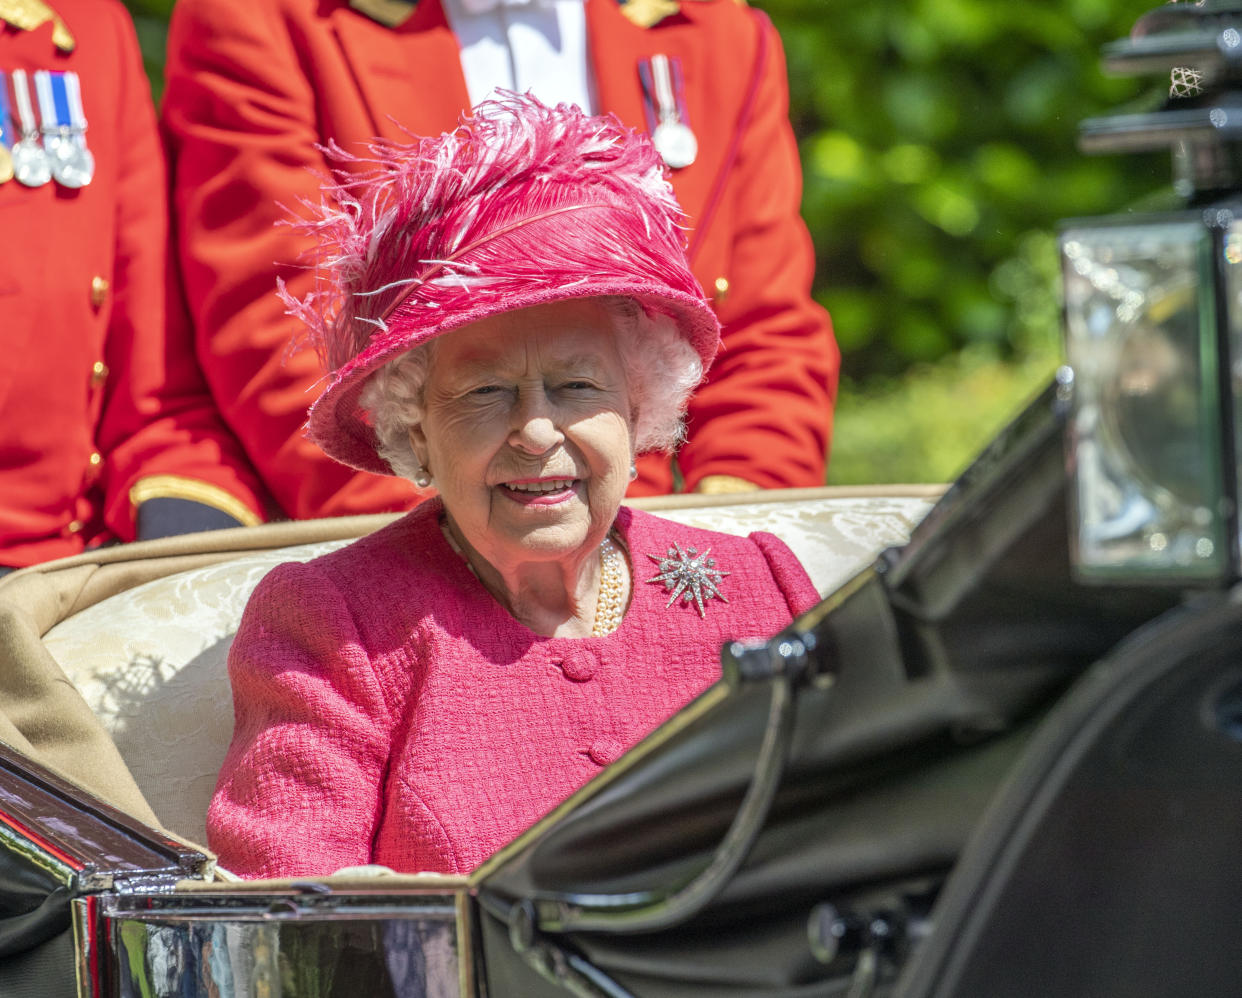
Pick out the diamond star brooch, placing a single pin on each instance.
(690, 575)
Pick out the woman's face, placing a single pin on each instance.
(527, 431)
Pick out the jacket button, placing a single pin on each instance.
(99, 290)
(605, 751)
(99, 373)
(96, 459)
(75, 526)
(721, 286)
(578, 665)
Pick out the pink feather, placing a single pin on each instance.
(518, 193)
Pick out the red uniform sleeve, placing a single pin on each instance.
(300, 790)
(158, 425)
(765, 411)
(240, 121)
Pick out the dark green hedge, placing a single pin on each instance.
(937, 135)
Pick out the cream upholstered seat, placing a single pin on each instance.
(150, 661)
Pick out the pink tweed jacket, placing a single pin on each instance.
(389, 711)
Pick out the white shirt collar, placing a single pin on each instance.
(524, 45)
(483, 6)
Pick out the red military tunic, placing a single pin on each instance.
(100, 406)
(254, 86)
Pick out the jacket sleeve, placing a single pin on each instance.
(158, 427)
(799, 591)
(300, 791)
(240, 125)
(765, 412)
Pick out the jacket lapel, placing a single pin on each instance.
(615, 45)
(387, 64)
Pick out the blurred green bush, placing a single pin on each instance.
(926, 422)
(938, 144)
(938, 149)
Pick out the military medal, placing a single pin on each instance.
(6, 158)
(675, 143)
(30, 163)
(64, 128)
(664, 94)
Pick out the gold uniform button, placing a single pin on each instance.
(722, 290)
(96, 459)
(75, 526)
(99, 373)
(99, 290)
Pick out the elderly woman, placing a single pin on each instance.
(510, 316)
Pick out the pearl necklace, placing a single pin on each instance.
(610, 604)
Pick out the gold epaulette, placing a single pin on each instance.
(649, 13)
(390, 13)
(27, 15)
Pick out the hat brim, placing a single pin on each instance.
(341, 427)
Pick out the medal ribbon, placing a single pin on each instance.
(664, 97)
(75, 114)
(7, 170)
(60, 104)
(25, 110)
(6, 134)
(48, 111)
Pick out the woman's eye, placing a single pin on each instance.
(485, 390)
(578, 386)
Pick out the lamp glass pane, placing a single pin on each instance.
(1144, 429)
(1231, 269)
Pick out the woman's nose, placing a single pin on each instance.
(535, 428)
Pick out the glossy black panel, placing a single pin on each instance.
(65, 821)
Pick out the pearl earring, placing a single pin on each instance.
(633, 472)
(422, 478)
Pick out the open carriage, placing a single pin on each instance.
(964, 773)
(1003, 757)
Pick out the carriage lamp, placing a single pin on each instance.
(1153, 322)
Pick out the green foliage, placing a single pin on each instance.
(939, 152)
(928, 424)
(938, 137)
(152, 34)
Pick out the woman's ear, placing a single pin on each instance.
(418, 444)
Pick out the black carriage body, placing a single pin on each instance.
(913, 694)
(96, 905)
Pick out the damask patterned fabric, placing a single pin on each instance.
(151, 662)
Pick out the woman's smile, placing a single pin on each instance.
(540, 491)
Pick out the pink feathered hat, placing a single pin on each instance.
(523, 204)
